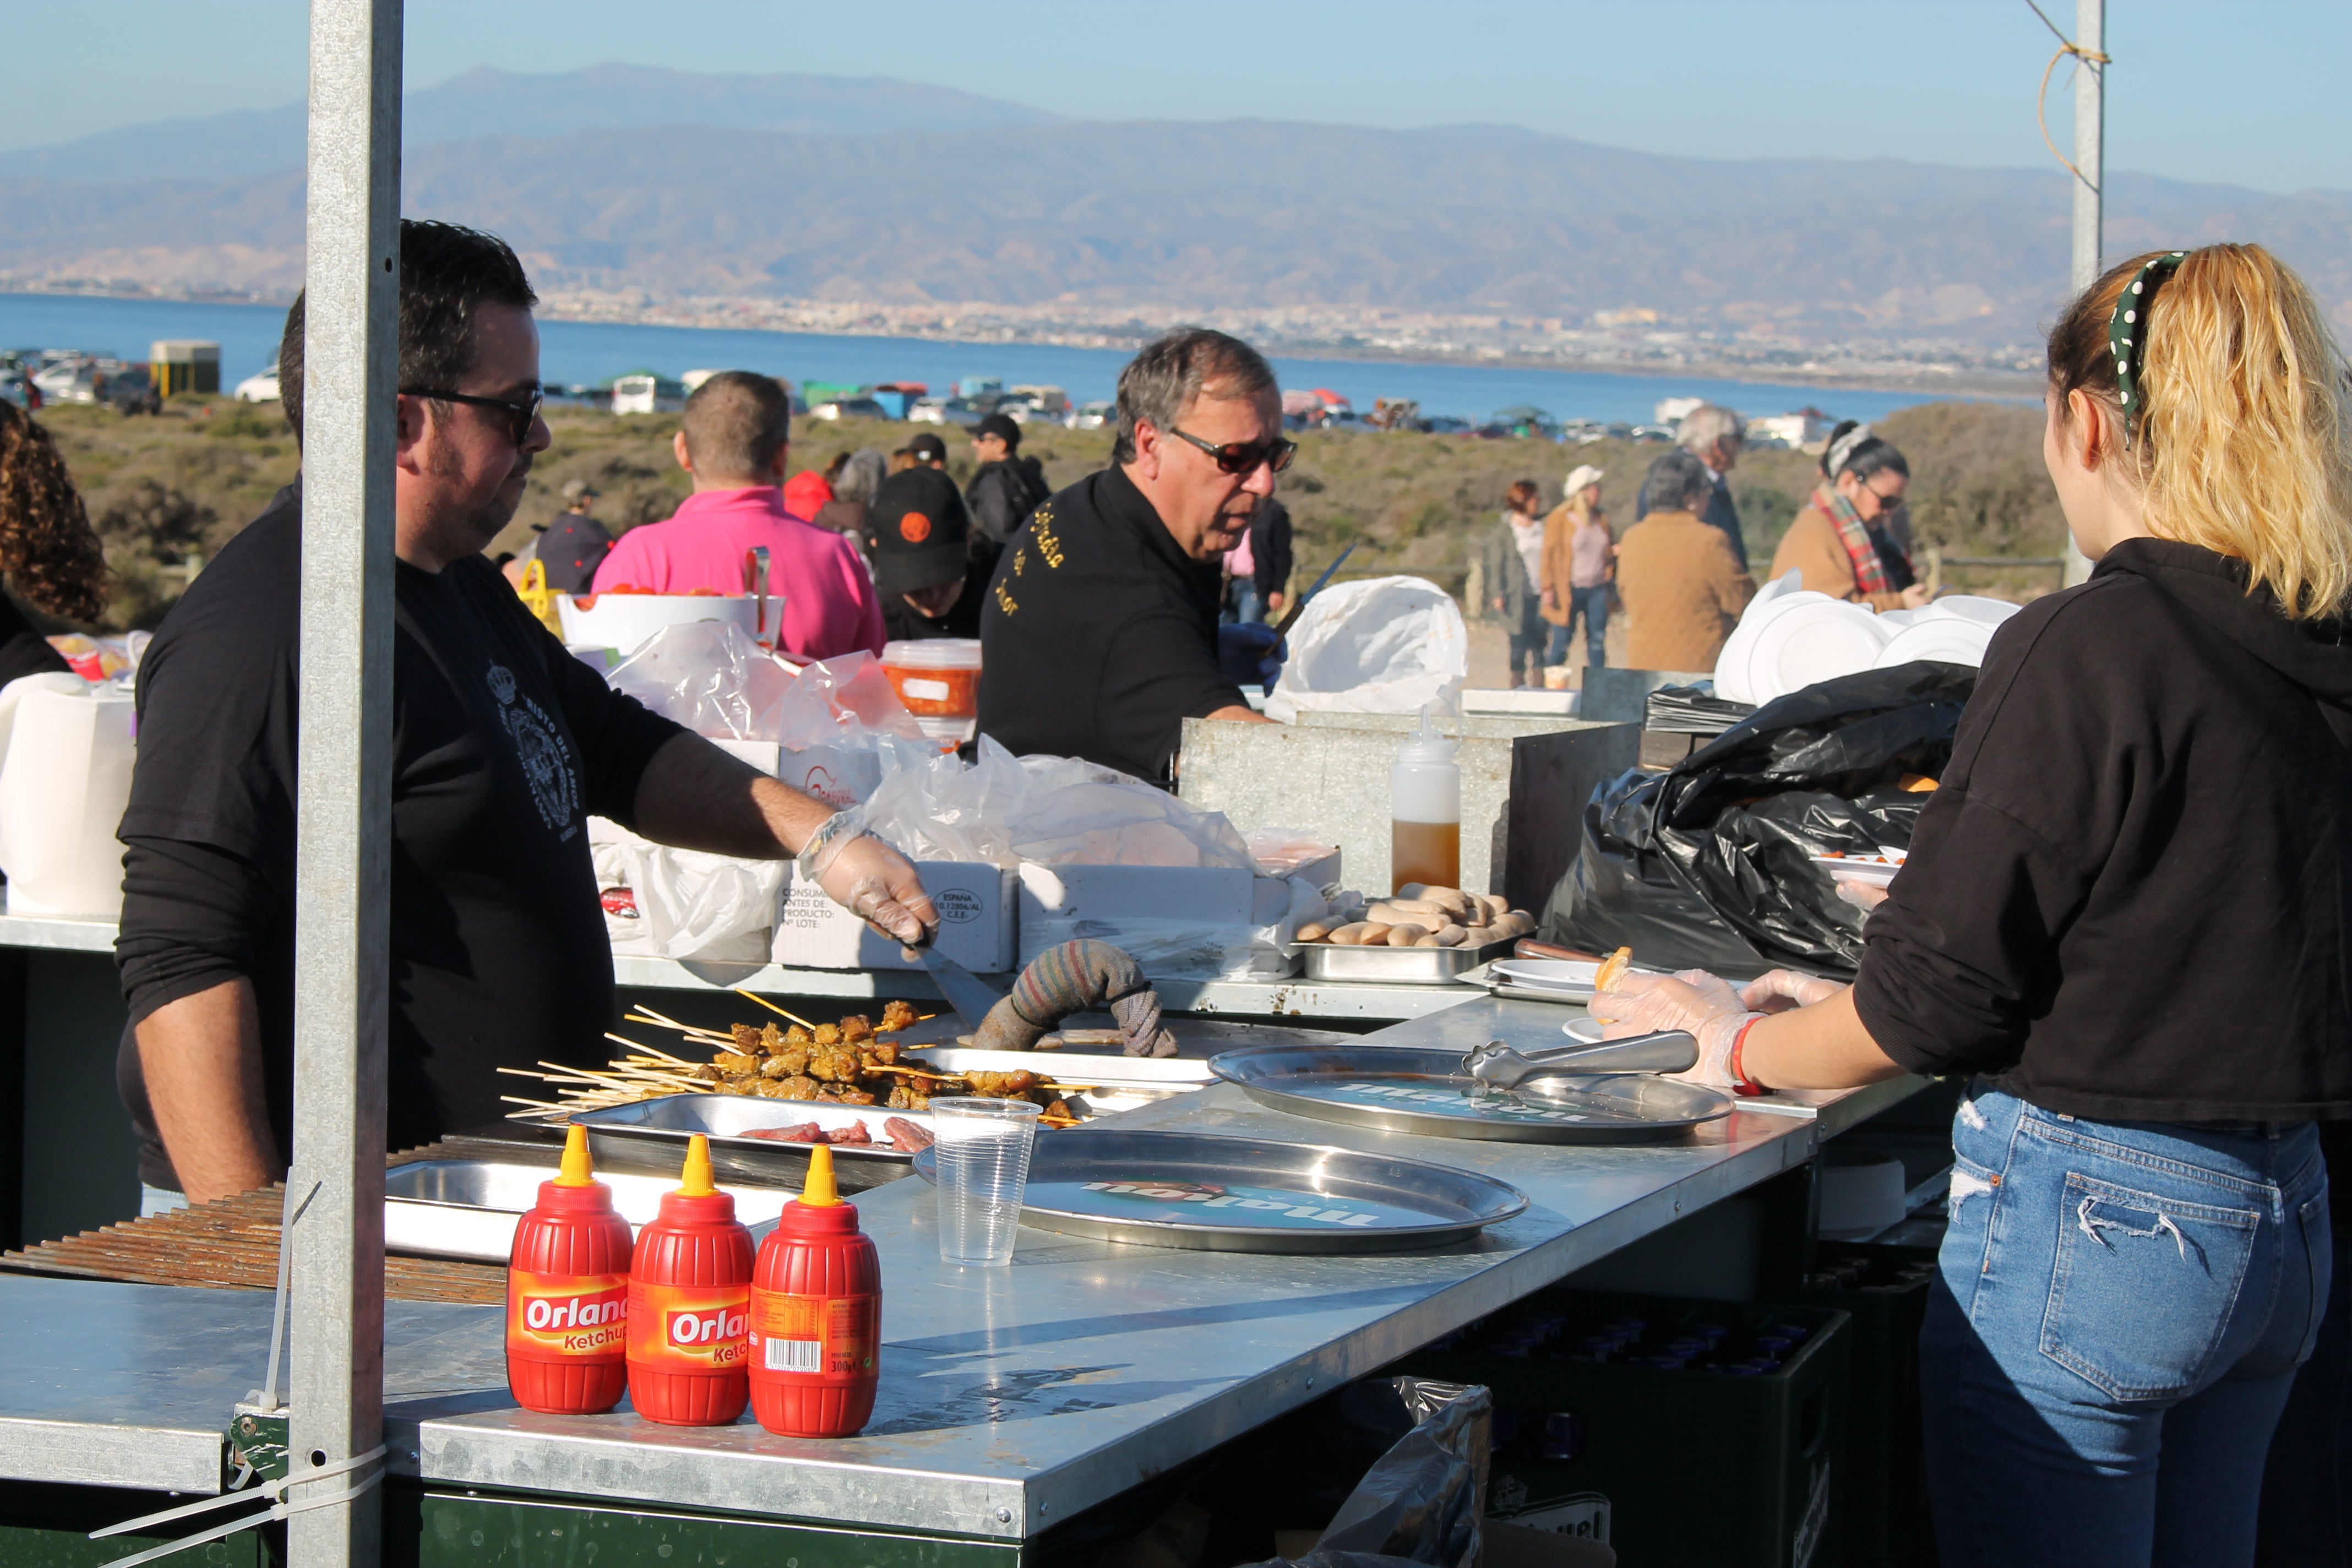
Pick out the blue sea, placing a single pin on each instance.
(578, 352)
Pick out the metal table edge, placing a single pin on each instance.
(144, 1458)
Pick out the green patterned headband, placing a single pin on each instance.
(2127, 327)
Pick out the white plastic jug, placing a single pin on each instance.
(63, 786)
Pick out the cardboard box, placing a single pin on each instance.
(976, 907)
(1181, 923)
(837, 777)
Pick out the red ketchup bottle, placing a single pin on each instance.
(568, 1294)
(689, 1292)
(816, 1315)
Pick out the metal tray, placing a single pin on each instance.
(1144, 1075)
(469, 1208)
(1413, 1089)
(651, 1134)
(1197, 1040)
(1396, 965)
(1247, 1195)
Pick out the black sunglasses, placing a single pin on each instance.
(1244, 457)
(520, 417)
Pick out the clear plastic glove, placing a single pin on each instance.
(1864, 896)
(1250, 652)
(1785, 990)
(1700, 1003)
(878, 885)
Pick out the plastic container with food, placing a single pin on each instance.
(938, 678)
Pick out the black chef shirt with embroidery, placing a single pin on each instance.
(502, 745)
(1099, 637)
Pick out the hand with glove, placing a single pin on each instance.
(1693, 1001)
(1249, 654)
(1785, 990)
(870, 879)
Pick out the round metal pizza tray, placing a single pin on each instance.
(1409, 1089)
(1216, 1194)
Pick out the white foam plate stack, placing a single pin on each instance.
(1790, 638)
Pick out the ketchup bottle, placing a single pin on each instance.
(568, 1294)
(816, 1315)
(689, 1292)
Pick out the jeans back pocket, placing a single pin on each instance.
(2143, 1288)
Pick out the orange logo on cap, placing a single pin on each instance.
(913, 528)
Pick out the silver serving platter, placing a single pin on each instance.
(1247, 1195)
(469, 1208)
(651, 1134)
(1415, 1089)
(1396, 965)
(1087, 1038)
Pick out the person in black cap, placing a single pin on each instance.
(928, 450)
(931, 567)
(1008, 486)
(575, 543)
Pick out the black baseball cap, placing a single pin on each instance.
(1003, 426)
(917, 531)
(928, 448)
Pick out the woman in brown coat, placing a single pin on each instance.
(1683, 587)
(1840, 543)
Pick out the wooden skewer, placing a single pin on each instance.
(656, 1051)
(779, 1012)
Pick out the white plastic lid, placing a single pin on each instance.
(934, 653)
(1426, 745)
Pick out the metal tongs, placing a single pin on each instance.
(1498, 1065)
(755, 582)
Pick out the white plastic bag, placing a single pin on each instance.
(710, 907)
(1386, 645)
(940, 809)
(711, 677)
(1079, 813)
(63, 786)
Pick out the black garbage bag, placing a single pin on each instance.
(1423, 1500)
(1707, 866)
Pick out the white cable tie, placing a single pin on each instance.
(272, 1491)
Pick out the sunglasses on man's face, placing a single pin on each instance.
(521, 414)
(1244, 457)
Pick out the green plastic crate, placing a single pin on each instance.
(1684, 1466)
(1887, 1522)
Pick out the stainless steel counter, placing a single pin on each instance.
(1011, 1399)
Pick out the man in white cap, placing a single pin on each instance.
(1579, 562)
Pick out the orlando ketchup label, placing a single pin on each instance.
(688, 1327)
(584, 1315)
(823, 1335)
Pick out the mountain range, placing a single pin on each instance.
(622, 178)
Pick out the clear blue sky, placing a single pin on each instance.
(2240, 91)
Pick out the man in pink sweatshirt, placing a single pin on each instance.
(735, 441)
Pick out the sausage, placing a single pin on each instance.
(1313, 930)
(1406, 935)
(1451, 935)
(1427, 942)
(1358, 933)
(1396, 911)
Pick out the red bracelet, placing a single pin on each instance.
(1741, 1084)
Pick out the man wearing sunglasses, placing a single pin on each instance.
(503, 746)
(1100, 635)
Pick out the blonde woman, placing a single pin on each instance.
(2128, 912)
(1579, 562)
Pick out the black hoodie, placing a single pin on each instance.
(2128, 900)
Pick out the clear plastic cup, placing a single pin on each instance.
(983, 1150)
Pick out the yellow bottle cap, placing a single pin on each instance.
(695, 1183)
(577, 1171)
(818, 1192)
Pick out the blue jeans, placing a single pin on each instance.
(1242, 604)
(2119, 1314)
(1593, 603)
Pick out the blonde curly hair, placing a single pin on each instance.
(2239, 442)
(47, 548)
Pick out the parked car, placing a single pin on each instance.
(259, 387)
(942, 411)
(850, 408)
(15, 388)
(1094, 416)
(643, 391)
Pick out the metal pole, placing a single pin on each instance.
(2090, 157)
(343, 820)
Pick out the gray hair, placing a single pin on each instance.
(1707, 424)
(1678, 481)
(1163, 381)
(862, 475)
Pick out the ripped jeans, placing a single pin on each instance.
(2117, 1320)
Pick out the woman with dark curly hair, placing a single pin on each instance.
(48, 549)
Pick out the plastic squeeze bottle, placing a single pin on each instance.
(1425, 811)
(568, 1294)
(689, 1294)
(816, 1315)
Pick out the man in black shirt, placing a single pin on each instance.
(1100, 635)
(1008, 486)
(503, 744)
(931, 566)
